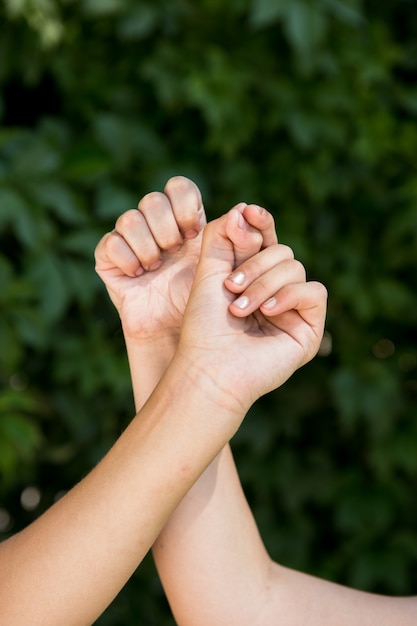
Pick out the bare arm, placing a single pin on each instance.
(212, 561)
(215, 570)
(210, 558)
(68, 565)
(150, 352)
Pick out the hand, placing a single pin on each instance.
(242, 348)
(148, 262)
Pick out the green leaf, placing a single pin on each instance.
(48, 274)
(305, 25)
(61, 200)
(86, 163)
(113, 200)
(36, 161)
(138, 23)
(21, 432)
(100, 8)
(264, 12)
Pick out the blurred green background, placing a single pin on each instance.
(307, 107)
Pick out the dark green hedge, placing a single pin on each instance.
(308, 107)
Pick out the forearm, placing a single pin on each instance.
(210, 557)
(211, 541)
(69, 564)
(215, 569)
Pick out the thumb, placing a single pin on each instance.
(227, 242)
(217, 251)
(246, 239)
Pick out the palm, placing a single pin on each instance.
(276, 348)
(155, 302)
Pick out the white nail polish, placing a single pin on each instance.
(238, 278)
(242, 302)
(269, 304)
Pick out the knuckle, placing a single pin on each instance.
(112, 242)
(257, 239)
(321, 290)
(299, 268)
(257, 265)
(294, 268)
(127, 220)
(152, 201)
(286, 251)
(102, 245)
(178, 184)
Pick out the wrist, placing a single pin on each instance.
(153, 347)
(148, 360)
(209, 385)
(163, 339)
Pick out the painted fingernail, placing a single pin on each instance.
(238, 278)
(242, 302)
(190, 234)
(269, 304)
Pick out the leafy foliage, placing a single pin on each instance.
(308, 108)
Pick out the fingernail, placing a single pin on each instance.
(174, 248)
(242, 302)
(269, 304)
(242, 223)
(155, 265)
(259, 208)
(238, 278)
(190, 234)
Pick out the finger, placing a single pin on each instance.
(113, 254)
(257, 265)
(217, 255)
(246, 240)
(309, 299)
(267, 286)
(187, 205)
(133, 228)
(157, 211)
(300, 311)
(263, 221)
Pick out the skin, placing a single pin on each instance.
(210, 557)
(69, 564)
